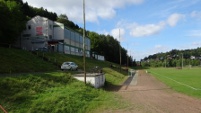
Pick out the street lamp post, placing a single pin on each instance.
(84, 64)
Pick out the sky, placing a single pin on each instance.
(146, 27)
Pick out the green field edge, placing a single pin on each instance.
(184, 84)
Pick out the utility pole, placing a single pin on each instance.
(200, 60)
(182, 61)
(165, 61)
(127, 62)
(127, 56)
(131, 63)
(119, 50)
(84, 63)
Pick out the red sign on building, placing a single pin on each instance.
(39, 30)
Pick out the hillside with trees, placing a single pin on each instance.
(174, 58)
(15, 13)
(12, 21)
(13, 17)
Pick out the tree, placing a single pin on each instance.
(64, 19)
(12, 21)
(63, 16)
(174, 58)
(4, 15)
(109, 47)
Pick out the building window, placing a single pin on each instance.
(76, 50)
(29, 27)
(50, 26)
(67, 48)
(26, 35)
(50, 36)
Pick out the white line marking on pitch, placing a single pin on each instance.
(178, 82)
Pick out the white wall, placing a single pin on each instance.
(100, 57)
(38, 31)
(40, 26)
(58, 31)
(96, 81)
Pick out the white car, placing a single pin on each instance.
(69, 66)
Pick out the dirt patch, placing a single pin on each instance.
(149, 95)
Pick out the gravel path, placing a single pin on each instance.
(148, 95)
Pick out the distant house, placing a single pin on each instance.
(44, 34)
(193, 57)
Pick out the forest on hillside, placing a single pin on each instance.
(174, 58)
(15, 13)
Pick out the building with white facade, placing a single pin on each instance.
(42, 33)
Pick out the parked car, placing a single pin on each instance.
(69, 66)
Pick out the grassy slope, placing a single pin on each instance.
(54, 91)
(180, 80)
(18, 61)
(59, 58)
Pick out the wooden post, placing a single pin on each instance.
(3, 109)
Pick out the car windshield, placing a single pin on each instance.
(66, 63)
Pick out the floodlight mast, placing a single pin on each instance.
(84, 63)
(119, 51)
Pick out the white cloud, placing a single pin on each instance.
(190, 45)
(138, 55)
(196, 14)
(137, 30)
(195, 44)
(174, 19)
(103, 32)
(145, 30)
(118, 33)
(195, 33)
(95, 9)
(159, 48)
